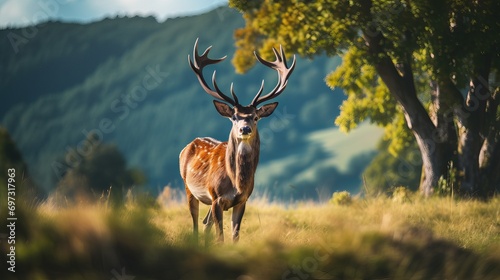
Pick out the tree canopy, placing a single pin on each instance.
(424, 70)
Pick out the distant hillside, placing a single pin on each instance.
(128, 80)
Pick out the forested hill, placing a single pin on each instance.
(128, 81)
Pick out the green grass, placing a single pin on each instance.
(376, 238)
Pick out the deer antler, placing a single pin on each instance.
(283, 73)
(198, 63)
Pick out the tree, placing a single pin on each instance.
(433, 64)
(12, 163)
(101, 172)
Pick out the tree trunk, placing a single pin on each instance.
(489, 166)
(401, 85)
(433, 164)
(443, 99)
(418, 120)
(469, 162)
(489, 157)
(474, 128)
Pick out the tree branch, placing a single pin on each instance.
(402, 87)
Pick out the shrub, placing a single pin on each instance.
(447, 185)
(401, 194)
(341, 198)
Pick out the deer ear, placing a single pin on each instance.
(266, 110)
(223, 109)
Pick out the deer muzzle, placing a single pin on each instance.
(245, 132)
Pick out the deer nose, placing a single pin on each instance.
(246, 130)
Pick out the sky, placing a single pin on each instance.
(19, 13)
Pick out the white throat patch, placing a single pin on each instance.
(244, 148)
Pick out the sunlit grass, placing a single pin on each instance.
(366, 239)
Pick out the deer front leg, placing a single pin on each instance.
(217, 216)
(194, 206)
(238, 212)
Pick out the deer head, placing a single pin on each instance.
(244, 118)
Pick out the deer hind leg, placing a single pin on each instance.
(236, 218)
(194, 206)
(208, 222)
(216, 212)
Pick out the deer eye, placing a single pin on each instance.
(233, 117)
(256, 118)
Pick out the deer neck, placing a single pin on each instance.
(242, 157)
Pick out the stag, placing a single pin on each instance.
(221, 174)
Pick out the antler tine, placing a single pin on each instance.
(234, 94)
(198, 63)
(284, 72)
(258, 94)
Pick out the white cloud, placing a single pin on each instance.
(23, 12)
(29, 12)
(15, 12)
(160, 8)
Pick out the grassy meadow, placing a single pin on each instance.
(366, 238)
